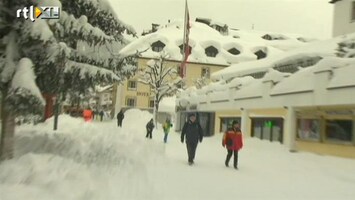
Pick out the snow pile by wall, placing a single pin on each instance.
(82, 161)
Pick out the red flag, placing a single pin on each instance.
(186, 47)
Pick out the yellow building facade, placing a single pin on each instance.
(134, 94)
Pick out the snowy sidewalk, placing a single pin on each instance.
(94, 161)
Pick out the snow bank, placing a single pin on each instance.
(82, 161)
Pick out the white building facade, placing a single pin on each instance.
(309, 108)
(344, 17)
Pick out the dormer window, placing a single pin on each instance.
(158, 46)
(260, 54)
(234, 51)
(182, 51)
(211, 51)
(273, 37)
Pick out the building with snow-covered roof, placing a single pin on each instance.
(210, 51)
(308, 108)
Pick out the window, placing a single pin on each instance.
(158, 46)
(308, 129)
(205, 72)
(234, 51)
(339, 130)
(182, 49)
(151, 103)
(353, 11)
(211, 51)
(132, 85)
(131, 101)
(260, 54)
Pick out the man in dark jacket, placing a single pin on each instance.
(192, 131)
(150, 126)
(120, 117)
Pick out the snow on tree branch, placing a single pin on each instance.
(79, 29)
(90, 70)
(100, 14)
(25, 78)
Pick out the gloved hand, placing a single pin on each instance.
(200, 140)
(223, 145)
(182, 140)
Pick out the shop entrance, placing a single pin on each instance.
(268, 128)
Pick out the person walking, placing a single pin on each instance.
(150, 126)
(101, 113)
(166, 127)
(120, 117)
(233, 141)
(192, 133)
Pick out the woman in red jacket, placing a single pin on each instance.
(233, 141)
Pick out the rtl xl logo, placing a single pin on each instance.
(43, 12)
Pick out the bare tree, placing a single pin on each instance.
(162, 78)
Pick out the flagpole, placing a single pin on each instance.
(185, 47)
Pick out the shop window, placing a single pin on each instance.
(308, 129)
(268, 129)
(339, 130)
(226, 123)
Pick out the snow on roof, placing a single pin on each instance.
(202, 36)
(301, 81)
(343, 71)
(167, 104)
(323, 48)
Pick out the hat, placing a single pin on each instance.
(192, 114)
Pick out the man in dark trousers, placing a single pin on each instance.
(120, 117)
(150, 126)
(192, 132)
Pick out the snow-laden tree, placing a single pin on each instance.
(63, 53)
(162, 78)
(346, 49)
(19, 92)
(89, 32)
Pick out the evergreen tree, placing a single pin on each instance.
(57, 49)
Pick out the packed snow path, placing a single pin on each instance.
(101, 161)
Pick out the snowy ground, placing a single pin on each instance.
(101, 161)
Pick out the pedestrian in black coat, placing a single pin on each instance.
(101, 113)
(193, 133)
(120, 117)
(150, 126)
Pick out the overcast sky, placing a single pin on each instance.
(311, 18)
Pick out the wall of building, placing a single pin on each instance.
(342, 20)
(143, 93)
(326, 95)
(341, 150)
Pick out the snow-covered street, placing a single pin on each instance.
(101, 161)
